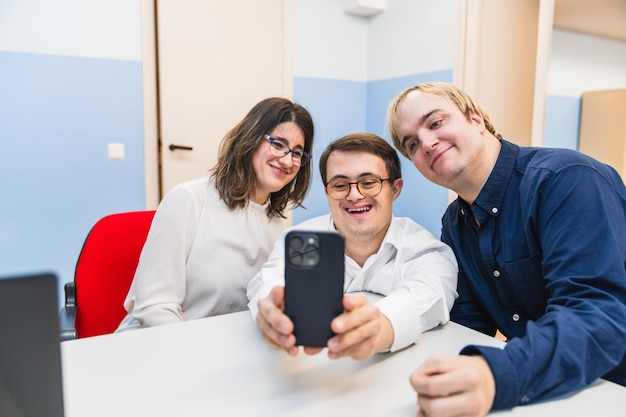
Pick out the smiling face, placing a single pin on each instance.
(359, 218)
(445, 146)
(274, 172)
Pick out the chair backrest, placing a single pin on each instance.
(105, 269)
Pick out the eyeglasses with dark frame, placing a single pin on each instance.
(280, 148)
(338, 189)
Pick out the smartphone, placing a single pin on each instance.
(314, 275)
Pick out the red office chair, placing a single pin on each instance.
(94, 302)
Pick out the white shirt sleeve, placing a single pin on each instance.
(419, 283)
(158, 288)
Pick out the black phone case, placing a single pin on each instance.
(314, 278)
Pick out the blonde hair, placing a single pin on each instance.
(463, 101)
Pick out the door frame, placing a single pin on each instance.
(150, 103)
(521, 31)
(150, 72)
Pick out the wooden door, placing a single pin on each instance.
(216, 59)
(603, 127)
(501, 60)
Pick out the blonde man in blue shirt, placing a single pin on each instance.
(540, 236)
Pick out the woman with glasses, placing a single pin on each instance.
(211, 235)
(392, 256)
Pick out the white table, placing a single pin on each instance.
(221, 367)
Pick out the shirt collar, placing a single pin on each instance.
(491, 196)
(393, 237)
(394, 234)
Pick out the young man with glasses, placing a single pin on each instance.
(395, 257)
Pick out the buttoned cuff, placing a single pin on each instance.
(404, 318)
(507, 392)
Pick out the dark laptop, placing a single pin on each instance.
(30, 353)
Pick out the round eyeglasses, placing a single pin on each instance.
(338, 189)
(280, 148)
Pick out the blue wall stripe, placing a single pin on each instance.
(420, 199)
(381, 92)
(562, 122)
(338, 108)
(57, 115)
(342, 107)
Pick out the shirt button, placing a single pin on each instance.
(525, 399)
(496, 273)
(463, 212)
(494, 210)
(515, 317)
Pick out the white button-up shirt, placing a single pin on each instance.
(414, 271)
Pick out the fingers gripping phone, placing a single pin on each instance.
(314, 275)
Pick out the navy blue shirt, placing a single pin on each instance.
(542, 258)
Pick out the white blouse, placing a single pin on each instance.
(199, 257)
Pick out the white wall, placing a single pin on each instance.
(328, 43)
(580, 62)
(107, 29)
(411, 37)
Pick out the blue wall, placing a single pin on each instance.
(342, 107)
(337, 108)
(420, 200)
(64, 98)
(562, 122)
(57, 115)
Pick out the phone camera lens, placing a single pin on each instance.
(296, 242)
(303, 250)
(312, 256)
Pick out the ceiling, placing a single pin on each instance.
(605, 18)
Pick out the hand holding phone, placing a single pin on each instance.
(314, 275)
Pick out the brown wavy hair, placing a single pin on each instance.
(463, 101)
(234, 174)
